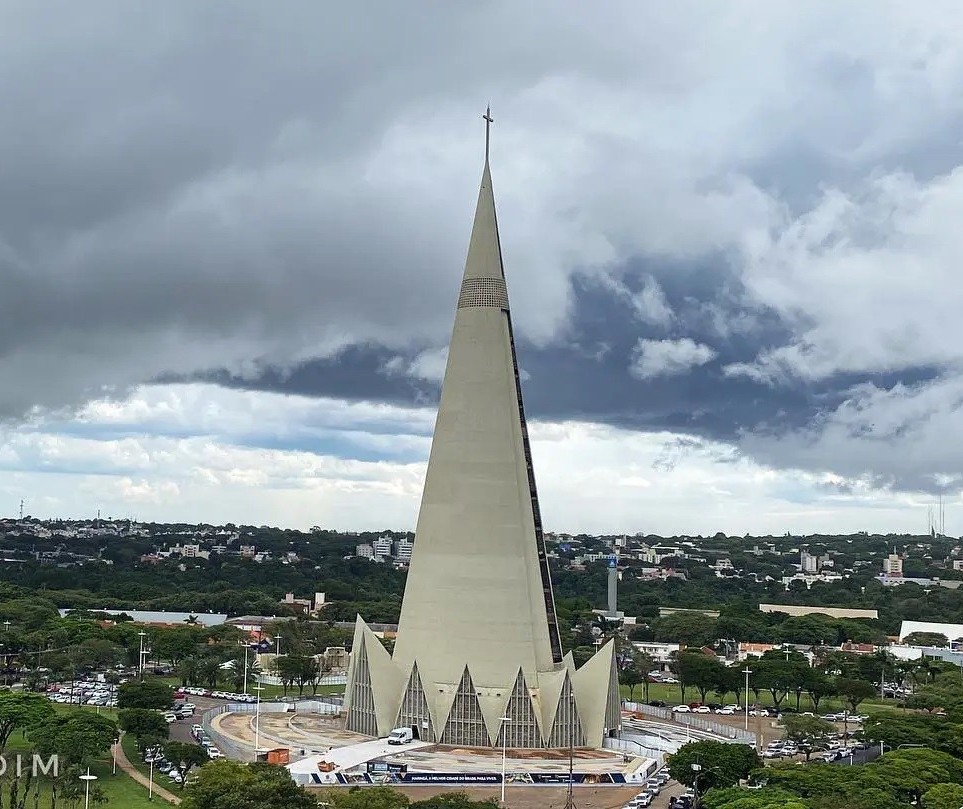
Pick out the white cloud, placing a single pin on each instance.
(428, 365)
(634, 482)
(869, 280)
(652, 358)
(651, 305)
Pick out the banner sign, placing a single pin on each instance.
(382, 773)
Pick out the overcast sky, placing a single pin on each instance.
(232, 234)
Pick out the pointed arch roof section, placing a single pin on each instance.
(523, 730)
(465, 723)
(593, 691)
(386, 680)
(567, 728)
(551, 685)
(415, 709)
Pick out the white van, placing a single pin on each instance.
(400, 736)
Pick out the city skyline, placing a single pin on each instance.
(733, 246)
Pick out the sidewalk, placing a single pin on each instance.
(124, 763)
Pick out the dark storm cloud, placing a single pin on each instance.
(702, 213)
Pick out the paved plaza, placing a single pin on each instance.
(313, 739)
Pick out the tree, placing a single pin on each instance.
(209, 671)
(738, 798)
(780, 675)
(245, 786)
(186, 756)
(365, 798)
(808, 732)
(686, 628)
(943, 796)
(76, 737)
(723, 764)
(696, 670)
(854, 691)
(306, 670)
(454, 800)
(146, 726)
(926, 639)
(18, 711)
(149, 694)
(817, 684)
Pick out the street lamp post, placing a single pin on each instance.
(246, 648)
(150, 780)
(504, 719)
(257, 718)
(87, 779)
(277, 651)
(570, 798)
(140, 659)
(697, 770)
(747, 671)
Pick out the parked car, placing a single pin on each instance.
(681, 709)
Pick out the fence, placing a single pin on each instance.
(637, 749)
(694, 721)
(328, 679)
(228, 746)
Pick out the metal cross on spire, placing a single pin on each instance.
(488, 129)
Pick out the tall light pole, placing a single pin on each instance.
(150, 780)
(87, 779)
(747, 671)
(697, 771)
(504, 719)
(277, 651)
(246, 648)
(257, 718)
(140, 660)
(570, 798)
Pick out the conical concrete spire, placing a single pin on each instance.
(478, 588)
(478, 604)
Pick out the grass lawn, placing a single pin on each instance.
(120, 790)
(672, 695)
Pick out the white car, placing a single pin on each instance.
(728, 710)
(702, 709)
(681, 709)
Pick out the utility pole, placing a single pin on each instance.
(570, 798)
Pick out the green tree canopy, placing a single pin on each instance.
(854, 691)
(146, 726)
(723, 765)
(926, 639)
(230, 785)
(365, 798)
(186, 756)
(19, 711)
(76, 737)
(149, 694)
(943, 796)
(687, 628)
(737, 798)
(808, 732)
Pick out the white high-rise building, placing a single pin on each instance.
(478, 638)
